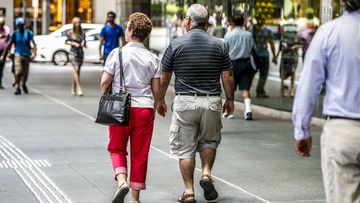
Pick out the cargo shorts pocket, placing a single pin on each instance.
(215, 104)
(174, 136)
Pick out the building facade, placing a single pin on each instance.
(44, 16)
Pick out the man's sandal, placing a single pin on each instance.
(187, 198)
(207, 184)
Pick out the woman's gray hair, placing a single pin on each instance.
(198, 14)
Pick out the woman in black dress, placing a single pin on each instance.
(76, 38)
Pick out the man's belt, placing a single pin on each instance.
(198, 94)
(339, 117)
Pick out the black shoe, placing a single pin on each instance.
(18, 91)
(262, 95)
(248, 116)
(120, 194)
(25, 89)
(2, 87)
(207, 184)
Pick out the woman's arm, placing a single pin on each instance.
(106, 80)
(83, 42)
(155, 88)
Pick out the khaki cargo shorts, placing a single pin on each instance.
(196, 124)
(21, 65)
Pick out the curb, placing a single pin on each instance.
(274, 113)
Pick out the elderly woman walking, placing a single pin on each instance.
(141, 74)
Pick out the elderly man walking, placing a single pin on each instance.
(334, 58)
(198, 60)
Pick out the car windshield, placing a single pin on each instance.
(59, 33)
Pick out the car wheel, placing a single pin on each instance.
(60, 58)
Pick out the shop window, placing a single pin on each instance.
(32, 16)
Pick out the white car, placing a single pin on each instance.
(52, 47)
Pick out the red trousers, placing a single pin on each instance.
(139, 131)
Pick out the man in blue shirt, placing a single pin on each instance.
(334, 58)
(24, 53)
(263, 35)
(240, 44)
(109, 36)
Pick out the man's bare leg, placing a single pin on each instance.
(187, 167)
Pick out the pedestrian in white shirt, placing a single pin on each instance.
(142, 73)
(334, 58)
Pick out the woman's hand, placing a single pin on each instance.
(75, 44)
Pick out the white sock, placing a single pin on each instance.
(247, 102)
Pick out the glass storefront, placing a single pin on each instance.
(291, 21)
(60, 11)
(31, 12)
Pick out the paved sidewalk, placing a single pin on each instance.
(256, 161)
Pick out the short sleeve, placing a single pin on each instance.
(158, 68)
(270, 34)
(226, 63)
(111, 62)
(31, 35)
(167, 61)
(13, 37)
(68, 34)
(102, 32)
(121, 31)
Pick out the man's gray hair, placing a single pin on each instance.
(199, 15)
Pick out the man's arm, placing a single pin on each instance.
(165, 78)
(34, 49)
(272, 46)
(101, 42)
(308, 90)
(228, 84)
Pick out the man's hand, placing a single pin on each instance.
(2, 59)
(228, 107)
(275, 60)
(161, 108)
(303, 147)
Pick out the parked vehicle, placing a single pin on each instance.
(52, 48)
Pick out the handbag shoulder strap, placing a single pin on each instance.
(122, 78)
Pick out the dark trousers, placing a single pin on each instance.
(263, 63)
(2, 64)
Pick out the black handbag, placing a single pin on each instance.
(114, 109)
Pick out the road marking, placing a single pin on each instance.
(64, 104)
(93, 119)
(217, 178)
(37, 163)
(27, 165)
(5, 165)
(5, 156)
(47, 163)
(296, 201)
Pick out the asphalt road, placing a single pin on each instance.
(52, 151)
